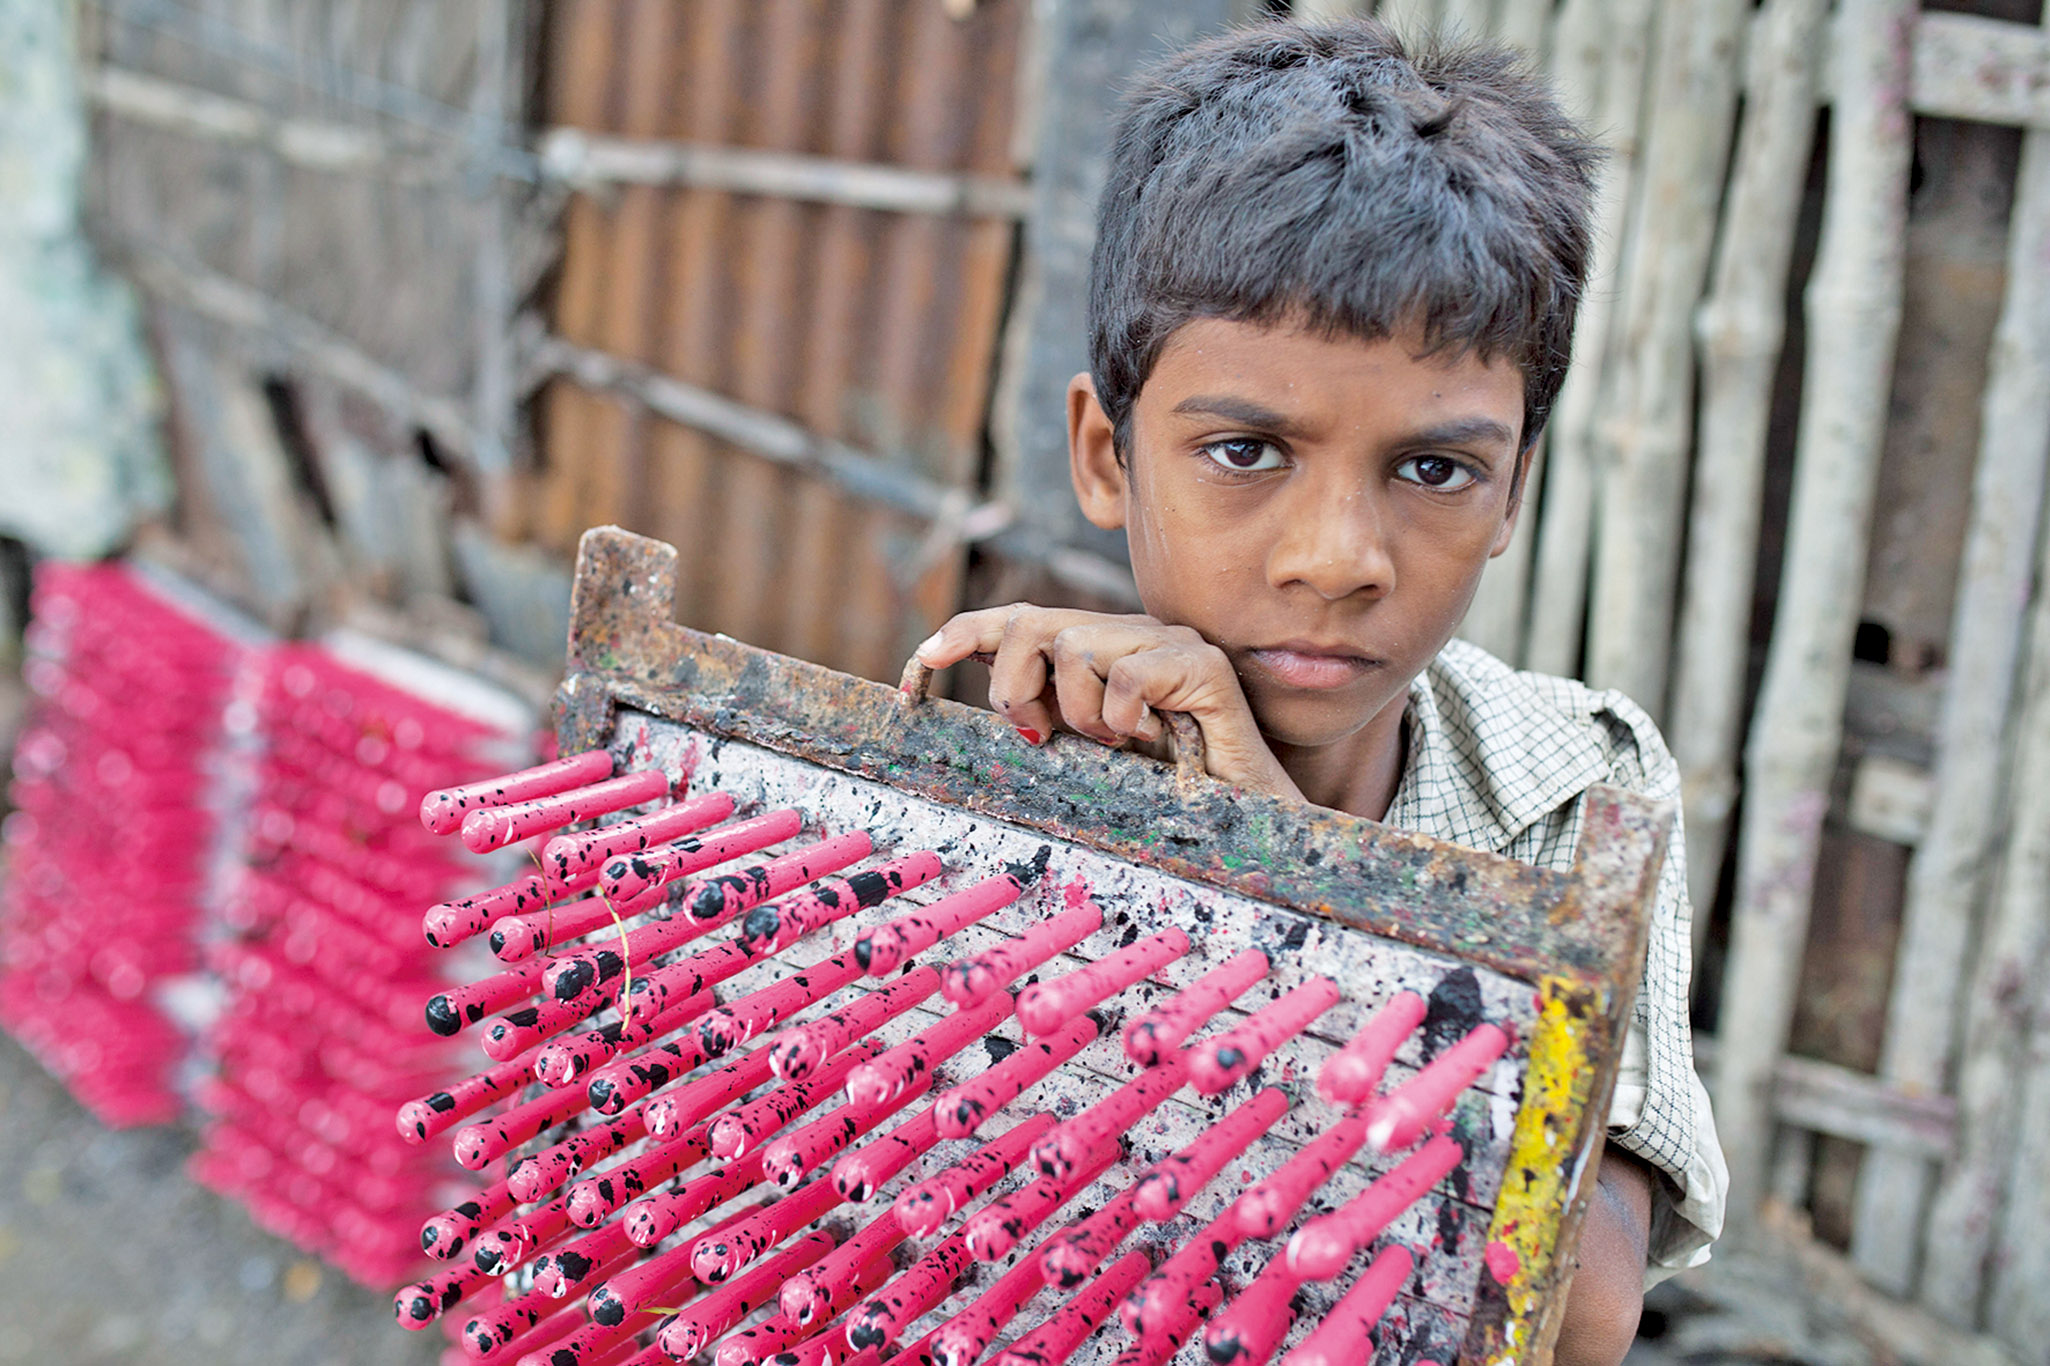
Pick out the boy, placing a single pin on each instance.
(1331, 304)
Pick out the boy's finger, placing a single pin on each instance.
(1018, 673)
(1079, 686)
(1199, 682)
(962, 636)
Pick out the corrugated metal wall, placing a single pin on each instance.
(874, 328)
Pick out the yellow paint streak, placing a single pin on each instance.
(1537, 1182)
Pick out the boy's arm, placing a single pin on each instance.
(1104, 676)
(1607, 1297)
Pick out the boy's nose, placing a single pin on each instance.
(1334, 543)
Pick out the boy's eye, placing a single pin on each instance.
(1244, 454)
(1435, 471)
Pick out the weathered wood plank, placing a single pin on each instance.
(1853, 304)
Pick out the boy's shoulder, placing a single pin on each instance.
(1495, 750)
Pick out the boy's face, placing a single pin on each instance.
(1318, 507)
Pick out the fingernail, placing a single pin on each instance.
(927, 646)
(1029, 735)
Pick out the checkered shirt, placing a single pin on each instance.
(1498, 760)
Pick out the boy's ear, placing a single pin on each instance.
(1518, 487)
(1093, 458)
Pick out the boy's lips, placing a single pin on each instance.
(1302, 664)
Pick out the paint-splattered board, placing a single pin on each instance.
(1552, 957)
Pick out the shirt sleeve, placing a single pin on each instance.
(1660, 1111)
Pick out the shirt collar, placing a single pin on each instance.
(1489, 752)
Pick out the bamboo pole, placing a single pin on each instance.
(1468, 19)
(1522, 23)
(1598, 56)
(1854, 306)
(2017, 1310)
(1642, 445)
(1948, 875)
(1742, 327)
(1412, 20)
(1320, 11)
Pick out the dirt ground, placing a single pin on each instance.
(108, 1253)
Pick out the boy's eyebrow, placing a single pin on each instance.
(1239, 410)
(1458, 432)
(1461, 432)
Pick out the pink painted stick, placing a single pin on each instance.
(442, 812)
(508, 1246)
(998, 1227)
(447, 1233)
(1167, 1026)
(786, 1160)
(497, 1331)
(593, 1344)
(717, 1257)
(533, 1025)
(698, 1325)
(654, 1218)
(1350, 1075)
(776, 925)
(1160, 1194)
(622, 1081)
(1346, 1334)
(420, 1120)
(1156, 1350)
(1158, 1304)
(531, 1178)
(877, 1320)
(1399, 1117)
(891, 1073)
(517, 938)
(1219, 1062)
(1061, 1151)
(962, 1339)
(778, 1337)
(799, 1050)
(719, 898)
(425, 1301)
(1054, 1341)
(580, 1260)
(570, 856)
(450, 1011)
(971, 981)
(451, 922)
(746, 1127)
(925, 1206)
(506, 1331)
(962, 1110)
(1044, 1007)
(491, 828)
(1248, 1329)
(808, 1297)
(561, 1062)
(595, 1197)
(1268, 1206)
(685, 1106)
(732, 1025)
(633, 874)
(479, 1143)
(883, 949)
(861, 1173)
(1069, 1256)
(1321, 1248)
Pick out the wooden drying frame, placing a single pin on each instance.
(1578, 938)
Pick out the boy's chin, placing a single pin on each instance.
(1306, 728)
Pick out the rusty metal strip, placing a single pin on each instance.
(626, 650)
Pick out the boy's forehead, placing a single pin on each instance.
(1213, 365)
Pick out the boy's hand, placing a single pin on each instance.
(1105, 676)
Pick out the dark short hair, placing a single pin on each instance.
(1325, 173)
